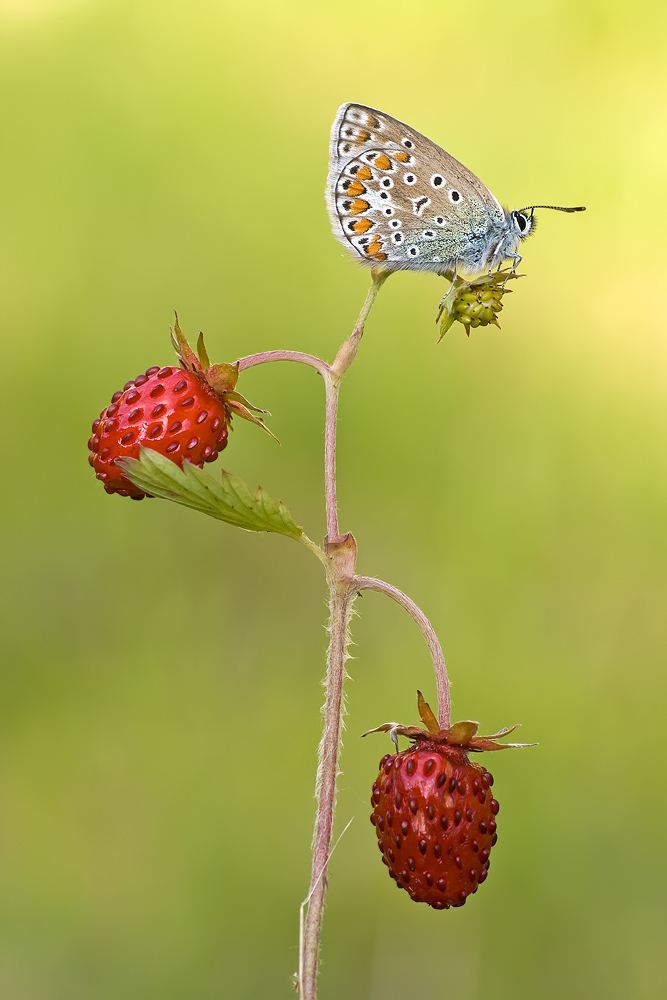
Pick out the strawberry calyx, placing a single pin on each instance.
(462, 735)
(222, 378)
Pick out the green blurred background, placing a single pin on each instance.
(161, 672)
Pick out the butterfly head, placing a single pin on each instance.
(523, 222)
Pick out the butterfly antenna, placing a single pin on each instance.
(556, 208)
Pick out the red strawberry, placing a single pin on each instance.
(169, 410)
(182, 412)
(434, 813)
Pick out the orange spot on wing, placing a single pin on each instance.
(380, 256)
(383, 162)
(355, 188)
(372, 121)
(358, 206)
(363, 135)
(373, 248)
(362, 225)
(402, 157)
(364, 174)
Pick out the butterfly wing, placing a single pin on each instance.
(398, 200)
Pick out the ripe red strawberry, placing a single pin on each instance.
(170, 410)
(182, 412)
(434, 812)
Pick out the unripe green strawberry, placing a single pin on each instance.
(474, 303)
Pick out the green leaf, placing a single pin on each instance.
(230, 500)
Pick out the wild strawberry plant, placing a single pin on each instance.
(433, 809)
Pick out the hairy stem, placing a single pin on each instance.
(341, 551)
(427, 630)
(340, 601)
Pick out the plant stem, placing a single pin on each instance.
(343, 587)
(427, 630)
(265, 356)
(332, 380)
(310, 544)
(348, 348)
(341, 552)
(329, 750)
(332, 387)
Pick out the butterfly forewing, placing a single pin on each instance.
(400, 201)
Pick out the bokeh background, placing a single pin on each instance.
(161, 678)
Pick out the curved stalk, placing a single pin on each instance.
(427, 630)
(267, 356)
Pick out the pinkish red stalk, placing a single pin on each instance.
(427, 630)
(343, 587)
(329, 752)
(266, 356)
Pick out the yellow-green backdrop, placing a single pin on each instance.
(159, 712)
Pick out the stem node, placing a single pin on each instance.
(342, 552)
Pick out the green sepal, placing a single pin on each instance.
(426, 714)
(202, 353)
(244, 412)
(461, 733)
(185, 353)
(230, 500)
(448, 320)
(237, 397)
(222, 377)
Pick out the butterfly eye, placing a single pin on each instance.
(521, 221)
(454, 196)
(437, 180)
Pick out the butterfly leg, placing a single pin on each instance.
(517, 258)
(447, 293)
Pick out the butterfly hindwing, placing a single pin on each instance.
(399, 200)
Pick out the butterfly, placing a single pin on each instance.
(400, 202)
